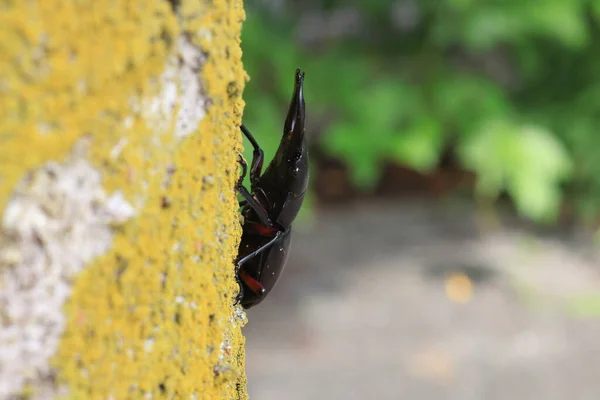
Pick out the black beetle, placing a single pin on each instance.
(272, 204)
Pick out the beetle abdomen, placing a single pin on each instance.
(266, 267)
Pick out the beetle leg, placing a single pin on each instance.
(252, 283)
(241, 179)
(258, 157)
(242, 275)
(249, 199)
(260, 249)
(244, 165)
(243, 278)
(256, 206)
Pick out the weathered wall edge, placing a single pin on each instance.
(116, 185)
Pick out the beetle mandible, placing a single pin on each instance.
(271, 205)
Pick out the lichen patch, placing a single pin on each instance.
(58, 219)
(181, 91)
(157, 87)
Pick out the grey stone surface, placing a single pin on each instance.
(361, 312)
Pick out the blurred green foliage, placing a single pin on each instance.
(513, 85)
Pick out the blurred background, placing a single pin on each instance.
(448, 248)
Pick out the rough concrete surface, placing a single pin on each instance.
(361, 312)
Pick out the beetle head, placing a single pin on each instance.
(293, 151)
(285, 180)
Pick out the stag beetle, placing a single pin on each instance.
(271, 205)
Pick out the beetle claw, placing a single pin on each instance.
(240, 295)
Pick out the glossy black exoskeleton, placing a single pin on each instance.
(271, 205)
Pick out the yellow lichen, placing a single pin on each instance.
(154, 316)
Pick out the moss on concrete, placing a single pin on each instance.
(153, 316)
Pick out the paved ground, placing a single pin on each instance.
(362, 312)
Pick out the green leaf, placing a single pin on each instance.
(467, 100)
(549, 155)
(595, 6)
(525, 160)
(419, 146)
(365, 172)
(462, 5)
(386, 103)
(334, 83)
(349, 142)
(536, 198)
(488, 26)
(564, 20)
